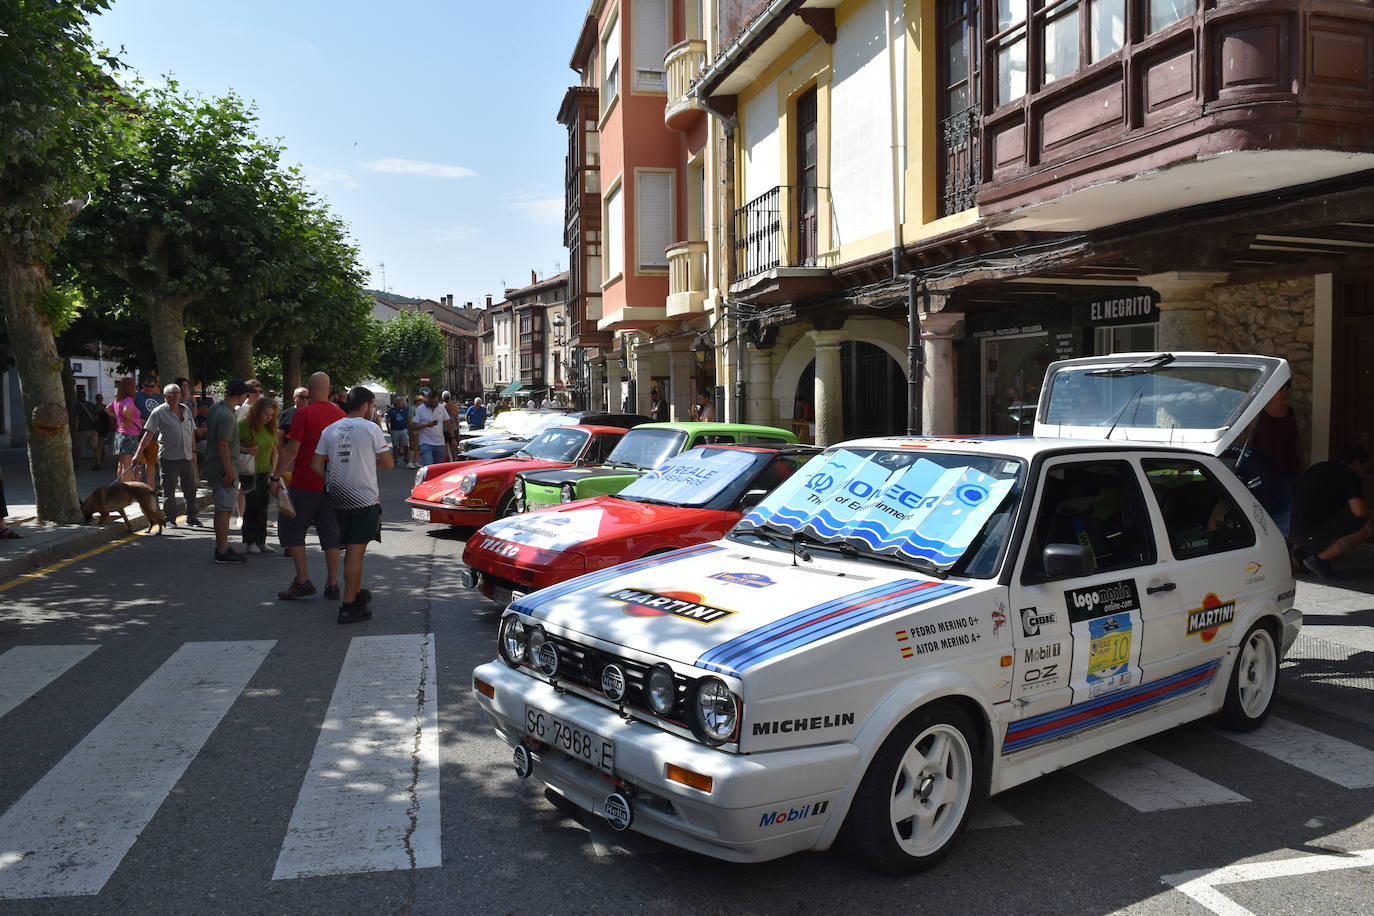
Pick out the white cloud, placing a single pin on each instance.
(322, 177)
(416, 167)
(457, 234)
(547, 211)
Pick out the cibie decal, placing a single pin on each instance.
(1109, 654)
(751, 580)
(1101, 600)
(686, 605)
(1032, 620)
(1214, 614)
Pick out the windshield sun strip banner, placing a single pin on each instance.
(532, 601)
(1047, 726)
(822, 620)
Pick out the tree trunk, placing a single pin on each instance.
(241, 355)
(167, 324)
(40, 381)
(291, 371)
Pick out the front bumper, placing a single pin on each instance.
(761, 806)
(441, 514)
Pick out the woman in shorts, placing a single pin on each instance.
(128, 427)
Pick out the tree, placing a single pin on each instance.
(59, 125)
(408, 346)
(180, 222)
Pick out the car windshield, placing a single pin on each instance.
(1167, 397)
(517, 422)
(549, 421)
(556, 445)
(926, 506)
(646, 448)
(696, 477)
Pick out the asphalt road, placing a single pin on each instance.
(192, 763)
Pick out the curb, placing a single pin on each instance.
(75, 540)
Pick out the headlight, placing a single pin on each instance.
(543, 654)
(512, 641)
(716, 711)
(420, 474)
(567, 492)
(535, 637)
(466, 484)
(519, 488)
(660, 689)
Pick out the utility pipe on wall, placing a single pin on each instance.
(897, 134)
(915, 362)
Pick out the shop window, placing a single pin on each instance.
(1096, 504)
(1200, 515)
(1013, 370)
(1125, 338)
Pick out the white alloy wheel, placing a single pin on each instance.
(1254, 679)
(931, 790)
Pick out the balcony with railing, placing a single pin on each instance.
(688, 279)
(682, 65)
(959, 163)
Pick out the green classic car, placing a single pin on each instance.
(640, 450)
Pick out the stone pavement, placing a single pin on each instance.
(43, 543)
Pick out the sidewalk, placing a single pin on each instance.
(40, 543)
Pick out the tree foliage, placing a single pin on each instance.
(408, 346)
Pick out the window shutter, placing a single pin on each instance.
(612, 48)
(614, 232)
(654, 227)
(651, 43)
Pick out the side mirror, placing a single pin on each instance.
(1066, 561)
(751, 499)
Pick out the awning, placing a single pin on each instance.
(511, 389)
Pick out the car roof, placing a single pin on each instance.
(593, 428)
(1026, 447)
(718, 427)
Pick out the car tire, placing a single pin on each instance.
(1254, 682)
(507, 506)
(914, 800)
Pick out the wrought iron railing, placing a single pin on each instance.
(960, 138)
(779, 228)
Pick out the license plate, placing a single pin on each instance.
(420, 515)
(532, 506)
(571, 740)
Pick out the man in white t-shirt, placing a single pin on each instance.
(429, 422)
(348, 456)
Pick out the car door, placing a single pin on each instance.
(1211, 560)
(1082, 637)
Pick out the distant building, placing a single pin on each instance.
(461, 326)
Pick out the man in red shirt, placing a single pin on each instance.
(307, 492)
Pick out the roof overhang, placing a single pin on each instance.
(757, 46)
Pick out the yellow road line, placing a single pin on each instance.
(54, 567)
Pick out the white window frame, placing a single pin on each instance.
(613, 234)
(659, 264)
(609, 67)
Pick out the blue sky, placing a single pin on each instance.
(429, 126)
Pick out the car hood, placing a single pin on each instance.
(445, 483)
(729, 608)
(569, 525)
(567, 474)
(501, 448)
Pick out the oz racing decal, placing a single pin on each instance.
(1214, 614)
(1043, 667)
(1101, 600)
(686, 605)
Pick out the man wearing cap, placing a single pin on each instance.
(429, 422)
(221, 465)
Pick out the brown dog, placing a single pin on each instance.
(106, 501)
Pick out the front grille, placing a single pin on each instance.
(582, 665)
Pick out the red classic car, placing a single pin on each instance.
(693, 498)
(472, 493)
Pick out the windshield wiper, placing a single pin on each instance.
(780, 537)
(1144, 367)
(920, 564)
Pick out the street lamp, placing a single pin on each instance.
(560, 338)
(703, 348)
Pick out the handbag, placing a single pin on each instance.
(248, 464)
(284, 505)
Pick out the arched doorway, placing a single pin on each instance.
(874, 390)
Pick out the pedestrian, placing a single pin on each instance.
(201, 415)
(299, 398)
(1276, 436)
(451, 427)
(704, 411)
(221, 465)
(1329, 512)
(307, 492)
(547, 403)
(658, 408)
(348, 455)
(429, 419)
(415, 431)
(398, 421)
(104, 426)
(87, 430)
(146, 399)
(128, 428)
(254, 392)
(476, 415)
(172, 424)
(258, 441)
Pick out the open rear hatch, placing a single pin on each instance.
(1198, 401)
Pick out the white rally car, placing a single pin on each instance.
(909, 624)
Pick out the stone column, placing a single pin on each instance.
(643, 366)
(596, 384)
(829, 395)
(939, 331)
(680, 363)
(763, 407)
(1186, 315)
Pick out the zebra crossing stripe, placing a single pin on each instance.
(67, 835)
(1148, 782)
(25, 670)
(1338, 761)
(370, 800)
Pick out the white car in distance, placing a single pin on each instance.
(910, 624)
